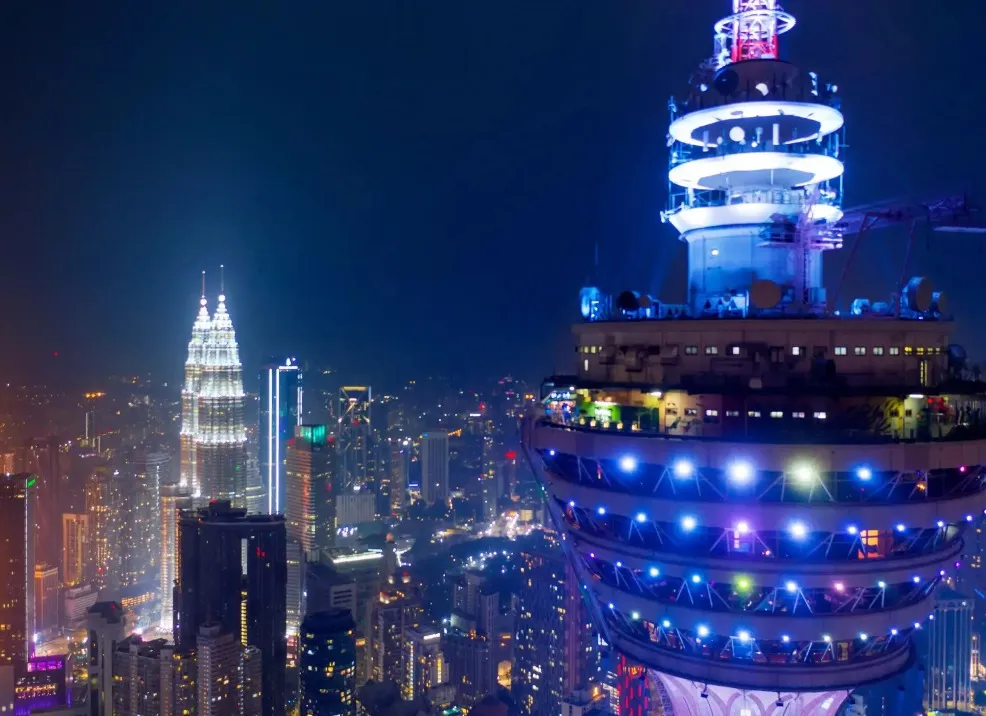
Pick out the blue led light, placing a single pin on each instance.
(916, 579)
(641, 517)
(901, 528)
(798, 530)
(785, 638)
(744, 636)
(740, 472)
(852, 529)
(600, 511)
(864, 474)
(571, 503)
(683, 469)
(696, 579)
(791, 587)
(688, 523)
(655, 572)
(628, 463)
(551, 452)
(703, 630)
(666, 624)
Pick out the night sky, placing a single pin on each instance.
(401, 188)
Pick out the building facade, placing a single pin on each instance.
(174, 499)
(75, 548)
(281, 410)
(309, 474)
(949, 637)
(434, 466)
(17, 571)
(327, 669)
(232, 570)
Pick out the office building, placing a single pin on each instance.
(949, 636)
(220, 443)
(106, 628)
(102, 513)
(423, 662)
(174, 499)
(227, 674)
(191, 389)
(434, 466)
(42, 458)
(232, 570)
(16, 567)
(281, 404)
(353, 509)
(328, 664)
(309, 472)
(396, 611)
(400, 467)
(47, 611)
(554, 649)
(762, 487)
(75, 548)
(472, 668)
(294, 591)
(41, 685)
(355, 437)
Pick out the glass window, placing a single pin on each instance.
(797, 415)
(840, 350)
(735, 350)
(908, 350)
(878, 350)
(711, 350)
(859, 351)
(920, 350)
(712, 413)
(895, 350)
(585, 364)
(821, 415)
(732, 413)
(796, 350)
(691, 350)
(777, 413)
(691, 411)
(753, 414)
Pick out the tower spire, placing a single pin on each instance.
(203, 284)
(222, 282)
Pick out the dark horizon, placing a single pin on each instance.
(399, 190)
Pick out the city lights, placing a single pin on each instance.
(798, 530)
(688, 523)
(740, 472)
(703, 631)
(628, 463)
(864, 474)
(742, 527)
(654, 572)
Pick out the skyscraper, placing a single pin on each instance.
(947, 679)
(328, 664)
(220, 443)
(554, 649)
(16, 568)
(281, 406)
(174, 498)
(424, 662)
(102, 514)
(47, 606)
(191, 389)
(355, 436)
(226, 674)
(396, 610)
(309, 472)
(232, 570)
(75, 548)
(151, 679)
(434, 466)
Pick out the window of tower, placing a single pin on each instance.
(895, 350)
(878, 350)
(908, 350)
(859, 351)
(840, 350)
(691, 350)
(711, 350)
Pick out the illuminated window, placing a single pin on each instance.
(840, 350)
(908, 413)
(798, 415)
(753, 414)
(908, 350)
(691, 350)
(821, 415)
(895, 350)
(878, 350)
(585, 364)
(712, 413)
(711, 350)
(859, 351)
(920, 350)
(776, 413)
(732, 413)
(593, 350)
(797, 350)
(735, 350)
(691, 411)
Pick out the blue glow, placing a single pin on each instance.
(916, 579)
(863, 636)
(688, 523)
(655, 572)
(628, 463)
(941, 524)
(635, 615)
(611, 606)
(641, 517)
(968, 518)
(893, 632)
(740, 472)
(881, 584)
(600, 510)
(683, 469)
(852, 529)
(571, 503)
(703, 630)
(696, 579)
(744, 636)
(785, 638)
(666, 624)
(798, 530)
(864, 473)
(551, 452)
(791, 587)
(901, 528)
(742, 527)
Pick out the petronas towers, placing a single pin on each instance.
(213, 433)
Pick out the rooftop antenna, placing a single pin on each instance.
(203, 284)
(222, 282)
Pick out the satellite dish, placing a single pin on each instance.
(917, 294)
(939, 303)
(765, 294)
(726, 81)
(628, 301)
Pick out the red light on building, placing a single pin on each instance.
(511, 455)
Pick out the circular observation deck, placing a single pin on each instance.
(756, 169)
(760, 566)
(796, 122)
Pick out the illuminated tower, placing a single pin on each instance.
(220, 439)
(281, 405)
(201, 330)
(354, 436)
(174, 498)
(759, 493)
(17, 558)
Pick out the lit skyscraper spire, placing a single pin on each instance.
(220, 442)
(190, 393)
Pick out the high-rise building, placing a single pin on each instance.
(425, 667)
(396, 610)
(221, 677)
(42, 685)
(220, 443)
(309, 473)
(232, 570)
(471, 665)
(554, 649)
(761, 488)
(152, 679)
(281, 406)
(174, 499)
(354, 508)
(16, 567)
(75, 548)
(103, 518)
(948, 678)
(191, 389)
(355, 437)
(42, 458)
(106, 626)
(138, 495)
(400, 464)
(47, 606)
(328, 664)
(294, 594)
(434, 466)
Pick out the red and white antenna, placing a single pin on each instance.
(751, 32)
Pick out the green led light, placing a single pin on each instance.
(30, 483)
